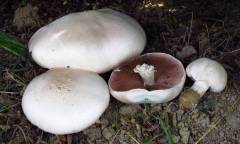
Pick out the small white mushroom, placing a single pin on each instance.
(64, 101)
(96, 40)
(207, 74)
(150, 78)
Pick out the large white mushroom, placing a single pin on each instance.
(207, 74)
(64, 101)
(150, 78)
(95, 40)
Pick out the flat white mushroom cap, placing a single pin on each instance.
(64, 101)
(208, 71)
(96, 40)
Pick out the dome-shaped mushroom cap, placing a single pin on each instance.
(96, 40)
(209, 71)
(64, 101)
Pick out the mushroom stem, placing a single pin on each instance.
(200, 87)
(189, 98)
(146, 72)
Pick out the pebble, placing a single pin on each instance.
(104, 123)
(187, 51)
(93, 133)
(26, 16)
(108, 133)
(184, 133)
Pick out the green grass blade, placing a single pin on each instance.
(166, 131)
(4, 108)
(12, 45)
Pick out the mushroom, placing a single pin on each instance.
(65, 101)
(207, 74)
(152, 78)
(95, 40)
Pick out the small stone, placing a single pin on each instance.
(26, 16)
(184, 133)
(129, 110)
(104, 123)
(108, 133)
(93, 133)
(186, 52)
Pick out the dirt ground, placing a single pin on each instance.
(211, 27)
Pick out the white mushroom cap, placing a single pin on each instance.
(96, 40)
(207, 74)
(208, 71)
(150, 78)
(64, 101)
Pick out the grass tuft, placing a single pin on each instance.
(165, 130)
(12, 45)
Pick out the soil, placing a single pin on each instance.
(210, 28)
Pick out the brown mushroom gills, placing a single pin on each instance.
(169, 72)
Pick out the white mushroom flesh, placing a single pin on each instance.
(200, 87)
(146, 72)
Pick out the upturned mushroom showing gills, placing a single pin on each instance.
(95, 40)
(64, 101)
(207, 74)
(150, 78)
